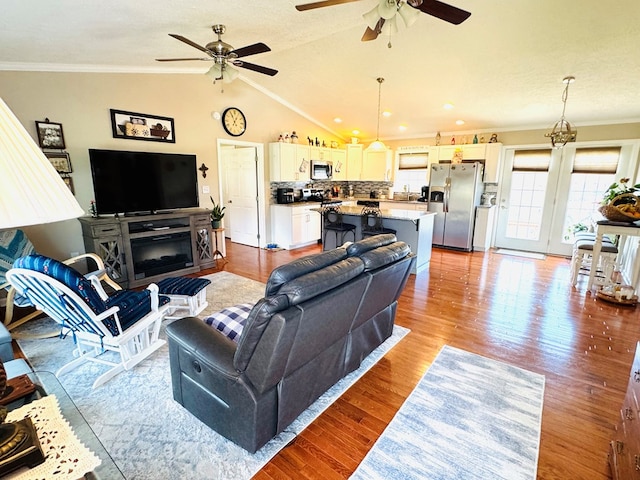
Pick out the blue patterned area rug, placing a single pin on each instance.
(470, 417)
(148, 434)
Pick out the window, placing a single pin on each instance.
(594, 169)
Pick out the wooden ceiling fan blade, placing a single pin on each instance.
(443, 11)
(369, 35)
(256, 68)
(372, 34)
(189, 42)
(324, 3)
(180, 59)
(251, 50)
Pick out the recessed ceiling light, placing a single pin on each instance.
(355, 132)
(459, 122)
(402, 128)
(448, 106)
(337, 120)
(386, 113)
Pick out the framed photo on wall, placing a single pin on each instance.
(60, 161)
(69, 183)
(50, 135)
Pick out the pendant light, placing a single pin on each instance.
(378, 145)
(562, 131)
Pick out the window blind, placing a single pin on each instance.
(531, 160)
(596, 160)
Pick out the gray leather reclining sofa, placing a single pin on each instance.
(320, 317)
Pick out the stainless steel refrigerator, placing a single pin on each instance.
(454, 193)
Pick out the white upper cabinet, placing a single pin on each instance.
(354, 161)
(339, 159)
(288, 162)
(492, 163)
(376, 165)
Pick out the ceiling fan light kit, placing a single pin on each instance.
(385, 13)
(562, 133)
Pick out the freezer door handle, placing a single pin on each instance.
(447, 192)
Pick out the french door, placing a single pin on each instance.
(545, 194)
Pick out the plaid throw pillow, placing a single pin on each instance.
(230, 321)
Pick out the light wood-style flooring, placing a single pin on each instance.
(517, 310)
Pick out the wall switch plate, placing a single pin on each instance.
(205, 189)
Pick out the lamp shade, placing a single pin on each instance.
(372, 17)
(409, 14)
(31, 191)
(387, 9)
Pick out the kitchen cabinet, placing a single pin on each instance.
(376, 165)
(624, 450)
(473, 151)
(295, 226)
(490, 153)
(288, 162)
(354, 161)
(483, 231)
(340, 168)
(492, 163)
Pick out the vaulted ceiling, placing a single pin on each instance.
(502, 68)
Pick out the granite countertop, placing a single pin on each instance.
(390, 213)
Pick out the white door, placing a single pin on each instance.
(241, 195)
(545, 193)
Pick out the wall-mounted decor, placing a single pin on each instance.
(140, 126)
(50, 134)
(60, 161)
(69, 182)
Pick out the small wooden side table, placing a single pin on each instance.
(217, 253)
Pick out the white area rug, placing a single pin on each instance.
(147, 433)
(520, 253)
(470, 417)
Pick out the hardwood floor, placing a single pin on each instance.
(517, 310)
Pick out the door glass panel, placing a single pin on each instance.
(527, 195)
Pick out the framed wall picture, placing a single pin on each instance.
(50, 135)
(60, 161)
(140, 126)
(69, 183)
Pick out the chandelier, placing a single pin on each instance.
(562, 131)
(378, 145)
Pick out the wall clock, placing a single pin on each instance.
(234, 121)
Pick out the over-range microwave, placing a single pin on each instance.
(321, 170)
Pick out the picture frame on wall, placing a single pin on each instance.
(141, 126)
(68, 181)
(60, 161)
(50, 135)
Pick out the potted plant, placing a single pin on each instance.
(217, 214)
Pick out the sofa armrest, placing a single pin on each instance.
(210, 346)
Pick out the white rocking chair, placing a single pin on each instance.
(127, 322)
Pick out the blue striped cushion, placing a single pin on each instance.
(230, 321)
(182, 285)
(66, 275)
(133, 306)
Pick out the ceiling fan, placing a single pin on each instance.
(224, 56)
(383, 17)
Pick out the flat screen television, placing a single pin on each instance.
(142, 182)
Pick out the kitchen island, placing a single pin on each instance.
(414, 227)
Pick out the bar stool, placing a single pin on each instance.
(332, 222)
(581, 259)
(371, 222)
